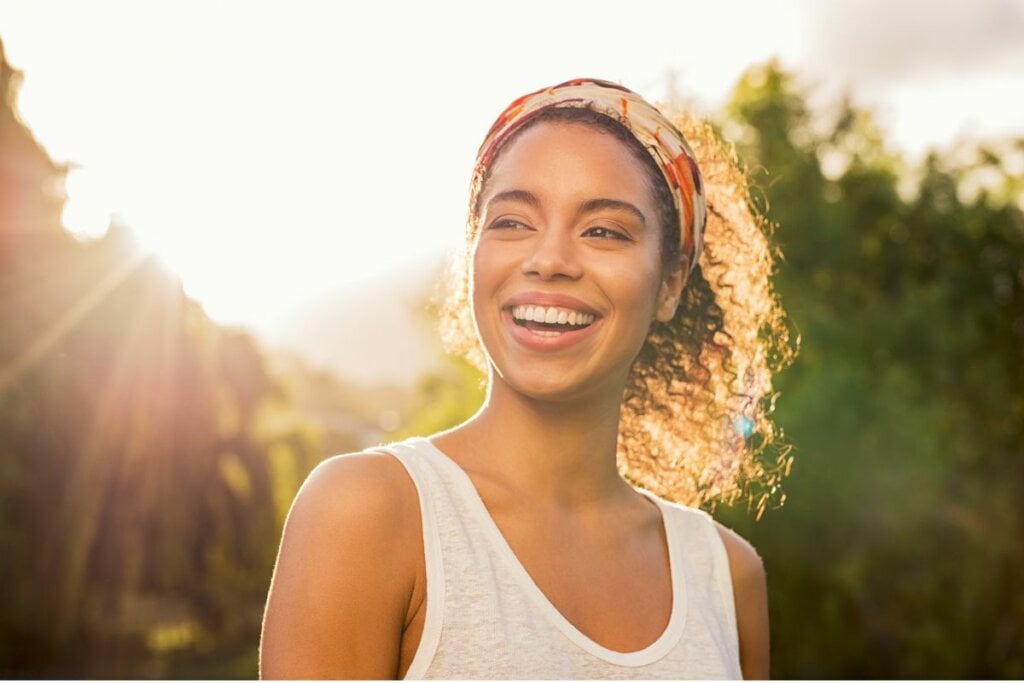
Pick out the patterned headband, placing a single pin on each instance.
(661, 139)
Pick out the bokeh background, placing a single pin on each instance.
(221, 228)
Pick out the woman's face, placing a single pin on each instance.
(567, 273)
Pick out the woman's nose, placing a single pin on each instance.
(553, 255)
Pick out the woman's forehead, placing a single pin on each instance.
(563, 155)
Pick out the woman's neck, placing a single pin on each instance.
(561, 453)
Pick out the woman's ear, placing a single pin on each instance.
(672, 290)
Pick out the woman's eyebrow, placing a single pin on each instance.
(602, 203)
(523, 196)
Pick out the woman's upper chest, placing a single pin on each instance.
(608, 573)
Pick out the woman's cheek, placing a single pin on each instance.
(631, 286)
(482, 286)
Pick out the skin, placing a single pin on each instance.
(348, 595)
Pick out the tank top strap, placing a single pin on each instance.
(707, 569)
(430, 490)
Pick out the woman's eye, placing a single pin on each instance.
(606, 233)
(508, 224)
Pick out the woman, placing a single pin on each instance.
(615, 337)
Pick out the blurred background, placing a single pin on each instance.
(221, 229)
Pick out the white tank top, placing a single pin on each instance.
(487, 619)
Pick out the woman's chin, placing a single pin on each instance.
(546, 386)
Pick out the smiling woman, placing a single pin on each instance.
(621, 305)
(560, 203)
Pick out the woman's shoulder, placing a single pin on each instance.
(331, 611)
(743, 558)
(369, 488)
(745, 563)
(745, 566)
(749, 593)
(750, 598)
(361, 501)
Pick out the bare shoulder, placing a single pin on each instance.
(365, 498)
(745, 563)
(750, 595)
(370, 486)
(345, 573)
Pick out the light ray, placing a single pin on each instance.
(42, 344)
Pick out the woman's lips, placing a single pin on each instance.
(549, 299)
(545, 340)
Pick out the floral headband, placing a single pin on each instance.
(648, 125)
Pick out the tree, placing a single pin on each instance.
(897, 553)
(146, 452)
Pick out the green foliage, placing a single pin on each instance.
(445, 398)
(897, 553)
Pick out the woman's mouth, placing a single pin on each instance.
(549, 327)
(550, 320)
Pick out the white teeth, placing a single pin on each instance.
(551, 315)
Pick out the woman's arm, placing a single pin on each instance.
(345, 573)
(750, 593)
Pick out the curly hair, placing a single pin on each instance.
(695, 425)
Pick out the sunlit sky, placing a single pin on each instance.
(270, 153)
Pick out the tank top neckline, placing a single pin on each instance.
(657, 649)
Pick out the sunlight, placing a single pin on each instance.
(48, 338)
(265, 193)
(89, 206)
(305, 158)
(251, 240)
